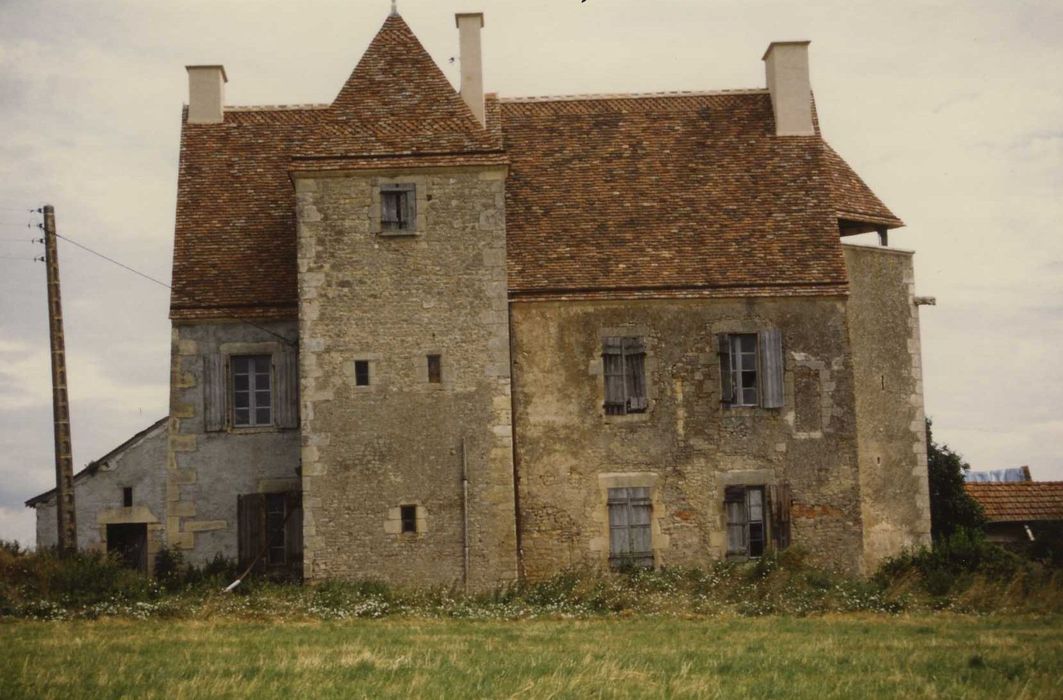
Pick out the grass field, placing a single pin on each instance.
(845, 656)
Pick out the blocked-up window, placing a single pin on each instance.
(751, 368)
(624, 367)
(630, 535)
(757, 516)
(398, 208)
(252, 390)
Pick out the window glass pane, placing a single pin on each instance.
(756, 539)
(241, 399)
(242, 416)
(749, 397)
(262, 381)
(262, 416)
(748, 342)
(261, 399)
(241, 382)
(262, 364)
(756, 504)
(240, 365)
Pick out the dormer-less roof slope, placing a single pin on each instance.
(629, 196)
(1020, 501)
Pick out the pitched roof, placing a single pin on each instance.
(93, 466)
(687, 194)
(1021, 501)
(667, 192)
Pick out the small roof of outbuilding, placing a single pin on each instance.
(1022, 501)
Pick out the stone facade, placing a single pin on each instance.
(390, 301)
(206, 470)
(687, 447)
(891, 429)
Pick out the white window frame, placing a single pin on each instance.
(253, 391)
(744, 362)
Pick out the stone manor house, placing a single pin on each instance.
(442, 337)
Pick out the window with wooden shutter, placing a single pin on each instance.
(630, 527)
(624, 369)
(751, 368)
(757, 517)
(269, 532)
(398, 205)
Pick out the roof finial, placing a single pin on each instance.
(394, 8)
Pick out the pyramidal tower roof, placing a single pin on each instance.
(398, 102)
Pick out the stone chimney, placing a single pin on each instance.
(472, 76)
(786, 65)
(206, 94)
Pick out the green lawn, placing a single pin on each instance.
(850, 657)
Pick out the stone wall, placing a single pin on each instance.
(402, 440)
(207, 471)
(98, 495)
(687, 447)
(884, 329)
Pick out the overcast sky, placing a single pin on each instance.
(951, 111)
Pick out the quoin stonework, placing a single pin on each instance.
(434, 336)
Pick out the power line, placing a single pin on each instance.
(163, 284)
(13, 257)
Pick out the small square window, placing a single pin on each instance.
(127, 497)
(361, 372)
(408, 514)
(397, 208)
(435, 369)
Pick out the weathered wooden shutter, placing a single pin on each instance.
(294, 535)
(635, 365)
(734, 501)
(286, 375)
(779, 495)
(723, 343)
(409, 205)
(251, 530)
(389, 201)
(771, 368)
(613, 368)
(640, 512)
(618, 524)
(215, 389)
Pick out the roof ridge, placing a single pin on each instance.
(634, 95)
(275, 108)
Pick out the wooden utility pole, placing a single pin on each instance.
(64, 460)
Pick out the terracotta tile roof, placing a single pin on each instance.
(1021, 501)
(666, 194)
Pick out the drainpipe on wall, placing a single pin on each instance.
(465, 513)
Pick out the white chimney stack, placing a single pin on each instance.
(206, 94)
(472, 76)
(786, 65)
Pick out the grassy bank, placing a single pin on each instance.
(927, 655)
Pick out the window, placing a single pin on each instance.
(624, 366)
(745, 520)
(127, 497)
(435, 369)
(252, 391)
(397, 208)
(757, 516)
(269, 532)
(361, 372)
(751, 368)
(630, 540)
(408, 515)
